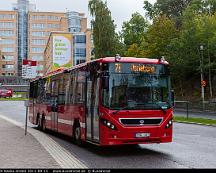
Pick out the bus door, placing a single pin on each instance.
(92, 117)
(54, 105)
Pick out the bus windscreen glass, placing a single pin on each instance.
(134, 86)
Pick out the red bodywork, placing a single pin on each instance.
(123, 134)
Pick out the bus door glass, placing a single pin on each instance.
(92, 99)
(54, 104)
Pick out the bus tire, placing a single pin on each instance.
(38, 122)
(43, 123)
(77, 134)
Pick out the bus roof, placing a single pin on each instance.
(108, 60)
(132, 60)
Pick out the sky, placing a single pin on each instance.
(121, 10)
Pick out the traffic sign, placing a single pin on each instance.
(29, 69)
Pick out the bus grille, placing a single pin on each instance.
(141, 121)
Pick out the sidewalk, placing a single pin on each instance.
(195, 114)
(20, 151)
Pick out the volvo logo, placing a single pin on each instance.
(142, 122)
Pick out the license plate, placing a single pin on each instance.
(142, 135)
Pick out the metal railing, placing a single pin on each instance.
(187, 107)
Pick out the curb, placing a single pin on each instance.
(11, 100)
(186, 122)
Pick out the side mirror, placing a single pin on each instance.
(173, 97)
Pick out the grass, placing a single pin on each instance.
(13, 99)
(195, 120)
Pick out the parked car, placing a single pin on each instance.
(6, 92)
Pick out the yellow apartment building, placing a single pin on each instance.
(8, 43)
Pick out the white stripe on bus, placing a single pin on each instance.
(48, 118)
(68, 122)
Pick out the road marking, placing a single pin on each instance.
(63, 157)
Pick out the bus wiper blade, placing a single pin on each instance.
(162, 107)
(114, 113)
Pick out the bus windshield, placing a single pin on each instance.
(137, 90)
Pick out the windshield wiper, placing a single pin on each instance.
(161, 107)
(123, 108)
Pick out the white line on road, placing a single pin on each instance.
(63, 157)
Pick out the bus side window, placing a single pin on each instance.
(72, 88)
(62, 88)
(80, 86)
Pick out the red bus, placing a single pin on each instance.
(108, 101)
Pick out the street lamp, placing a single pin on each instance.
(201, 77)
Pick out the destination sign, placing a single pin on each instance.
(142, 68)
(131, 67)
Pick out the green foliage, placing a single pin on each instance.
(196, 25)
(103, 29)
(133, 31)
(171, 8)
(133, 35)
(159, 36)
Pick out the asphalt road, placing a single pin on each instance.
(193, 146)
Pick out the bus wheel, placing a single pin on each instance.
(77, 135)
(43, 124)
(39, 123)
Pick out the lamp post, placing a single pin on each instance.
(202, 78)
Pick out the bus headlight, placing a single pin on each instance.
(169, 124)
(108, 124)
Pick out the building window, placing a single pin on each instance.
(53, 25)
(7, 25)
(7, 49)
(38, 26)
(38, 42)
(37, 50)
(39, 34)
(7, 41)
(8, 66)
(8, 58)
(37, 58)
(79, 39)
(7, 16)
(36, 17)
(80, 52)
(74, 29)
(53, 18)
(7, 33)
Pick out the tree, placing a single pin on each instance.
(171, 8)
(103, 29)
(134, 30)
(159, 37)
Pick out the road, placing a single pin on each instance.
(193, 146)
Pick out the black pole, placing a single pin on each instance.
(187, 109)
